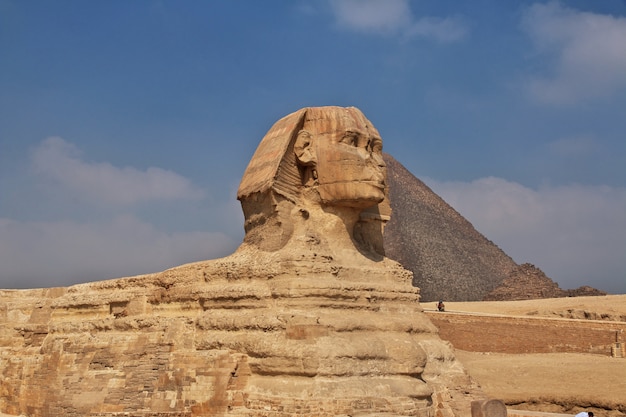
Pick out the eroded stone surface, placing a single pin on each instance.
(307, 317)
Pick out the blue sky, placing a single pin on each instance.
(125, 127)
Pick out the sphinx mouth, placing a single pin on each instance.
(376, 183)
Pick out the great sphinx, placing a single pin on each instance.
(307, 317)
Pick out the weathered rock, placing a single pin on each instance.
(527, 282)
(584, 291)
(306, 318)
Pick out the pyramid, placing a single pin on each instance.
(449, 258)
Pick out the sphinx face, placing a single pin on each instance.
(349, 162)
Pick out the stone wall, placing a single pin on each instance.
(484, 333)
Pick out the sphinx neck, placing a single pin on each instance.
(327, 232)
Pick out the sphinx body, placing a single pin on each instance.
(306, 318)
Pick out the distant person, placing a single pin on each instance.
(585, 414)
(442, 307)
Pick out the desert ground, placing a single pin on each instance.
(612, 304)
(551, 382)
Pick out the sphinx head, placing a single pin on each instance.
(327, 158)
(339, 153)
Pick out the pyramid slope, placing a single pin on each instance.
(449, 258)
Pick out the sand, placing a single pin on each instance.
(551, 382)
(610, 304)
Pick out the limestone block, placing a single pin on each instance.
(489, 408)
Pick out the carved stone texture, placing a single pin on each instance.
(306, 318)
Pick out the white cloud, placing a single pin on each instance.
(47, 247)
(587, 51)
(450, 29)
(395, 17)
(60, 161)
(372, 15)
(575, 234)
(45, 254)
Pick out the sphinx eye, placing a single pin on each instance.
(375, 145)
(350, 138)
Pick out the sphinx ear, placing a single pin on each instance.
(303, 148)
